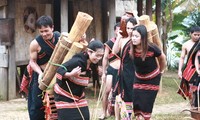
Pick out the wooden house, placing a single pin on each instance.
(17, 30)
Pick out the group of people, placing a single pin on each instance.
(131, 70)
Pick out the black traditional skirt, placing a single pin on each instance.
(73, 113)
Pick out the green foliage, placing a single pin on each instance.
(195, 17)
(172, 37)
(181, 26)
(177, 45)
(177, 22)
(169, 91)
(178, 54)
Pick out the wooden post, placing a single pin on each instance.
(140, 7)
(104, 7)
(98, 18)
(158, 13)
(12, 58)
(112, 18)
(149, 8)
(64, 15)
(3, 62)
(3, 73)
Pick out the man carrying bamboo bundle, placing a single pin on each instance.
(41, 49)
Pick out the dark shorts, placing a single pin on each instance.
(112, 71)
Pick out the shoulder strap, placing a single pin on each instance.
(192, 51)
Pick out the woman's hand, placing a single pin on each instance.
(76, 72)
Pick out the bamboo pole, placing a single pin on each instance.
(144, 20)
(80, 26)
(198, 97)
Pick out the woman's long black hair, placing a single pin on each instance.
(144, 41)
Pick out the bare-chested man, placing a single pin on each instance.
(110, 66)
(41, 49)
(187, 75)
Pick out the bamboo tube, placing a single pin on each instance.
(149, 36)
(144, 20)
(152, 29)
(84, 43)
(155, 35)
(62, 48)
(75, 48)
(80, 26)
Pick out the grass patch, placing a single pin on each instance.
(170, 117)
(168, 93)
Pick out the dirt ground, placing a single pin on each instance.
(17, 109)
(14, 110)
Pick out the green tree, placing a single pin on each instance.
(178, 17)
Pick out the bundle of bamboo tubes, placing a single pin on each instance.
(79, 27)
(58, 55)
(152, 29)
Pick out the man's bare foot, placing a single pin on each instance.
(102, 117)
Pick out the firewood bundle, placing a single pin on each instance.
(64, 45)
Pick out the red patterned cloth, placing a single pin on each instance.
(26, 79)
(50, 108)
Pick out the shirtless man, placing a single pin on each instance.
(187, 46)
(41, 49)
(188, 78)
(110, 66)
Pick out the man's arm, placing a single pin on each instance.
(117, 45)
(181, 61)
(105, 63)
(197, 62)
(34, 46)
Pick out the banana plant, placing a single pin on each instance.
(180, 16)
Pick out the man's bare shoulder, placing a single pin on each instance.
(188, 43)
(34, 44)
